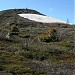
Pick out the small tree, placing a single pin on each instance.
(14, 30)
(50, 37)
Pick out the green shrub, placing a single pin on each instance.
(50, 37)
(14, 33)
(14, 30)
(65, 44)
(2, 67)
(24, 35)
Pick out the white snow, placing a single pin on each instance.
(41, 18)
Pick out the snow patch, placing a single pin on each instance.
(41, 18)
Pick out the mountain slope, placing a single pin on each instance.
(29, 47)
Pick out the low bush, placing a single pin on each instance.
(50, 37)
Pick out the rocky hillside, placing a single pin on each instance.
(34, 48)
(11, 16)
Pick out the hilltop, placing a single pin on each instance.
(11, 16)
(29, 47)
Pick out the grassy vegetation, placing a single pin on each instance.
(17, 62)
(36, 48)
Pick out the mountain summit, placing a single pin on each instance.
(27, 16)
(21, 11)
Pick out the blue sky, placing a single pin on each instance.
(61, 9)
